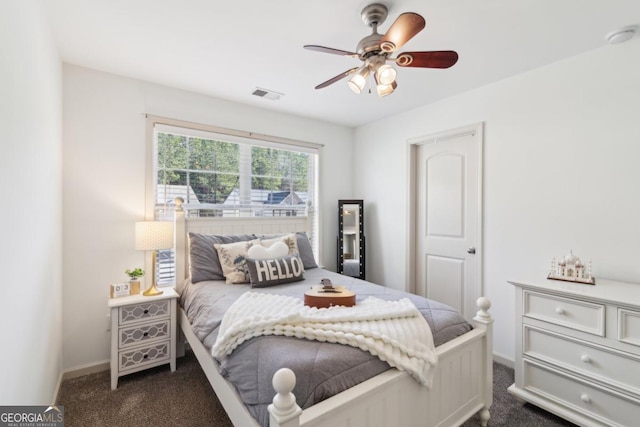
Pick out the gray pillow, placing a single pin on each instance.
(203, 257)
(305, 251)
(270, 272)
(304, 248)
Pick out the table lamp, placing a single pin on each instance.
(152, 236)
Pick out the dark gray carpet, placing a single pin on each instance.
(157, 397)
(506, 411)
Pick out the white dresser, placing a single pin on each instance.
(578, 350)
(143, 333)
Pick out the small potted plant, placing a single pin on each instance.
(134, 279)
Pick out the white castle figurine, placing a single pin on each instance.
(572, 269)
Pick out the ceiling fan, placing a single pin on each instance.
(375, 51)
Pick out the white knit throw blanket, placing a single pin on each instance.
(395, 331)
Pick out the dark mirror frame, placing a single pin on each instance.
(360, 273)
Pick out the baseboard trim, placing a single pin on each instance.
(54, 398)
(503, 361)
(90, 368)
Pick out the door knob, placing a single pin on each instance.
(471, 250)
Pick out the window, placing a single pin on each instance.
(227, 173)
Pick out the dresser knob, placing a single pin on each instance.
(585, 358)
(560, 311)
(585, 398)
(146, 311)
(147, 333)
(146, 355)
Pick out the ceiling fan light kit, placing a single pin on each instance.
(359, 79)
(384, 73)
(376, 49)
(384, 90)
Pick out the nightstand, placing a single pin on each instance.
(143, 333)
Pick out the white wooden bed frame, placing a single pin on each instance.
(462, 386)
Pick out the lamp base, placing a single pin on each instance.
(152, 291)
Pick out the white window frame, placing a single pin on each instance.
(169, 125)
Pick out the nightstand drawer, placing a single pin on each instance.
(603, 364)
(580, 315)
(137, 357)
(606, 406)
(143, 311)
(134, 335)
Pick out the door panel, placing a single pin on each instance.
(445, 195)
(447, 219)
(445, 277)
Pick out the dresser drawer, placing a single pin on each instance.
(137, 357)
(143, 311)
(602, 404)
(137, 334)
(629, 326)
(579, 315)
(601, 363)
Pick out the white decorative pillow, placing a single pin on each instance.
(233, 259)
(276, 250)
(288, 239)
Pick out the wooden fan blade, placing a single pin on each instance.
(336, 78)
(330, 50)
(401, 31)
(433, 59)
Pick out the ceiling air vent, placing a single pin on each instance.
(266, 93)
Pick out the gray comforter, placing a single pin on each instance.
(322, 369)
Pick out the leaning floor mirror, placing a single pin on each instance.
(351, 253)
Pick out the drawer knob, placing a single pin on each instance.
(146, 311)
(147, 333)
(146, 355)
(585, 398)
(585, 358)
(560, 311)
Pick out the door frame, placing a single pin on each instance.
(476, 130)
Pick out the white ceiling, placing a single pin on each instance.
(228, 48)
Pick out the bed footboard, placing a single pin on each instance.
(462, 386)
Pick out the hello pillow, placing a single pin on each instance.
(271, 272)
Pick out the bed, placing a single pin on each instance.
(462, 379)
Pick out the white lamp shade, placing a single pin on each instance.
(153, 235)
(359, 79)
(384, 90)
(385, 74)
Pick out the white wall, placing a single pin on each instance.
(30, 171)
(104, 184)
(561, 172)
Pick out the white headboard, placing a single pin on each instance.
(225, 226)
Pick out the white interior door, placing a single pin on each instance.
(448, 217)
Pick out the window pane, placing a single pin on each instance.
(228, 179)
(215, 156)
(212, 187)
(172, 151)
(299, 171)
